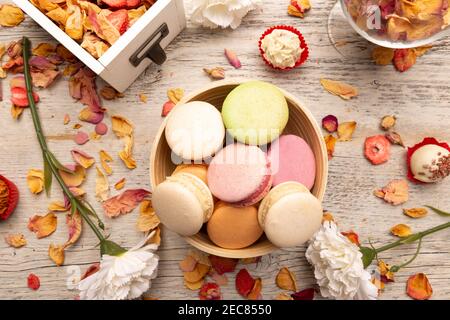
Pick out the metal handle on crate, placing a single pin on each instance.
(154, 52)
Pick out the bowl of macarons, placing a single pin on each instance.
(239, 169)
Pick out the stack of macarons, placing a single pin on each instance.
(257, 182)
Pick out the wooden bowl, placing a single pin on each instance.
(301, 123)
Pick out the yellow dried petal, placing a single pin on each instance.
(147, 220)
(126, 153)
(74, 22)
(35, 180)
(286, 280)
(10, 15)
(175, 94)
(105, 158)
(401, 230)
(56, 253)
(43, 226)
(135, 14)
(101, 186)
(283, 296)
(16, 240)
(58, 15)
(74, 179)
(388, 122)
(382, 55)
(16, 112)
(120, 184)
(194, 285)
(420, 51)
(57, 206)
(330, 142)
(83, 159)
(345, 130)
(143, 98)
(43, 49)
(255, 293)
(341, 89)
(121, 126)
(415, 212)
(197, 274)
(156, 238)
(327, 216)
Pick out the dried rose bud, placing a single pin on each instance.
(388, 122)
(330, 123)
(395, 138)
(232, 58)
(216, 73)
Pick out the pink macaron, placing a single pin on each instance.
(240, 175)
(292, 159)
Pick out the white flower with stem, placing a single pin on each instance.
(123, 274)
(222, 13)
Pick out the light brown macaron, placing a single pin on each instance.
(198, 170)
(234, 227)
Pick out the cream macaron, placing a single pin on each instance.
(183, 203)
(290, 214)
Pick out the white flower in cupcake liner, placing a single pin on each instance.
(338, 266)
(124, 276)
(222, 13)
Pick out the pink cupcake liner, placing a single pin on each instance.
(303, 45)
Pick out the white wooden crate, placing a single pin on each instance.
(129, 56)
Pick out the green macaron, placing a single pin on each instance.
(255, 112)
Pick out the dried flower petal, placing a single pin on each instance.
(66, 119)
(415, 212)
(330, 142)
(330, 123)
(109, 93)
(210, 291)
(306, 294)
(232, 58)
(244, 283)
(82, 158)
(105, 158)
(200, 271)
(216, 73)
(74, 224)
(175, 94)
(404, 59)
(395, 192)
(418, 287)
(283, 296)
(120, 184)
(33, 282)
(143, 98)
(420, 51)
(87, 115)
(35, 180)
(126, 153)
(82, 87)
(394, 138)
(43, 226)
(74, 178)
(327, 216)
(81, 138)
(124, 202)
(121, 126)
(286, 280)
(16, 112)
(220, 279)
(16, 240)
(223, 265)
(194, 286)
(401, 230)
(255, 293)
(388, 122)
(57, 206)
(167, 107)
(345, 130)
(147, 220)
(188, 264)
(10, 15)
(155, 238)
(341, 89)
(352, 236)
(56, 253)
(101, 186)
(382, 55)
(43, 49)
(386, 275)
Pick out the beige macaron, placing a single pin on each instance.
(290, 214)
(198, 170)
(234, 227)
(183, 203)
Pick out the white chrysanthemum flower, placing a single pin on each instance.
(222, 13)
(338, 266)
(125, 276)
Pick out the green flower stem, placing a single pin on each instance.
(55, 166)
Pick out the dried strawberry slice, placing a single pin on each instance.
(244, 282)
(33, 282)
(119, 19)
(404, 59)
(19, 97)
(411, 150)
(11, 197)
(223, 265)
(210, 291)
(377, 149)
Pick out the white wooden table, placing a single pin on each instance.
(420, 99)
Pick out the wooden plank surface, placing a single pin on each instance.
(419, 98)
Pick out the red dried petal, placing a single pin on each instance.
(411, 150)
(13, 198)
(167, 107)
(307, 294)
(330, 123)
(223, 265)
(91, 270)
(352, 236)
(244, 282)
(404, 59)
(210, 291)
(33, 282)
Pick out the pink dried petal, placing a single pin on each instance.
(232, 58)
(82, 158)
(77, 191)
(124, 202)
(82, 87)
(55, 59)
(101, 128)
(90, 116)
(330, 123)
(81, 138)
(167, 107)
(41, 63)
(44, 78)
